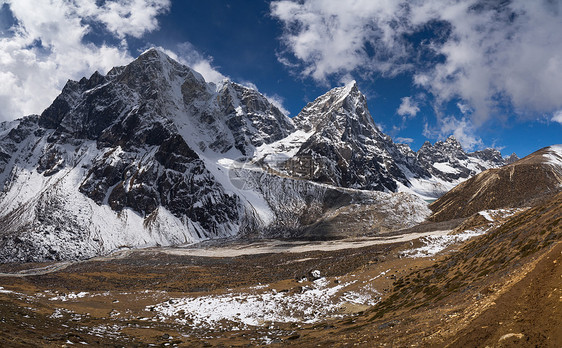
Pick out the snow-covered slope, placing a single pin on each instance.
(446, 165)
(554, 156)
(147, 155)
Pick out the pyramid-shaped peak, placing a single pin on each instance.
(151, 50)
(349, 88)
(339, 108)
(154, 55)
(154, 65)
(154, 52)
(347, 96)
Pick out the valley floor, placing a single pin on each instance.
(336, 293)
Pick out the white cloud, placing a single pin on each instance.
(404, 140)
(462, 129)
(329, 36)
(46, 46)
(508, 52)
(408, 108)
(493, 53)
(557, 117)
(463, 108)
(125, 17)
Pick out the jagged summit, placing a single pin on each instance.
(448, 162)
(511, 158)
(445, 150)
(338, 107)
(347, 149)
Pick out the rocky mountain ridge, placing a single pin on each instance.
(338, 138)
(524, 183)
(143, 156)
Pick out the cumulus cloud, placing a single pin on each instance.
(337, 37)
(485, 53)
(46, 46)
(462, 129)
(408, 107)
(557, 117)
(124, 17)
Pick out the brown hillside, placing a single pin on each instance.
(499, 290)
(523, 183)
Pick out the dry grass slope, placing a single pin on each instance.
(523, 183)
(502, 289)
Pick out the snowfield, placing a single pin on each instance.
(314, 303)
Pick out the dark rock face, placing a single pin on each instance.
(346, 147)
(443, 151)
(17, 133)
(125, 123)
(511, 158)
(251, 118)
(145, 162)
(52, 160)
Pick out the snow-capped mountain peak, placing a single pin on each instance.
(338, 108)
(148, 155)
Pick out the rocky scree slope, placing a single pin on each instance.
(141, 157)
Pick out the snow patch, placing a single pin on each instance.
(554, 155)
(435, 244)
(486, 215)
(70, 296)
(313, 303)
(445, 168)
(309, 306)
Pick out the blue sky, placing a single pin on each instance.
(488, 72)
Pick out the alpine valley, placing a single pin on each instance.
(148, 207)
(151, 154)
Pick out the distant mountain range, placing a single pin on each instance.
(151, 154)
